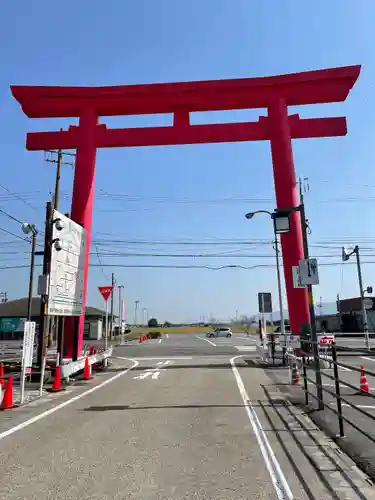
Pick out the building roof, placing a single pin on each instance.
(18, 309)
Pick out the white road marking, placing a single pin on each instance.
(154, 372)
(279, 481)
(159, 341)
(167, 335)
(369, 407)
(246, 348)
(56, 408)
(159, 357)
(368, 359)
(207, 340)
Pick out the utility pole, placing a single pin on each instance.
(49, 157)
(120, 287)
(314, 338)
(339, 311)
(44, 297)
(112, 294)
(345, 257)
(136, 302)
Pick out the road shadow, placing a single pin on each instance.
(161, 407)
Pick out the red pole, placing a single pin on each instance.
(82, 205)
(287, 197)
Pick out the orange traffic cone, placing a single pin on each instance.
(363, 384)
(295, 374)
(2, 375)
(56, 386)
(140, 339)
(87, 370)
(7, 401)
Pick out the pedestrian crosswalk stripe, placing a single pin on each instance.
(245, 347)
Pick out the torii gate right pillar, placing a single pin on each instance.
(287, 197)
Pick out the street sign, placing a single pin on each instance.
(65, 289)
(264, 302)
(368, 303)
(8, 325)
(296, 277)
(28, 346)
(105, 291)
(308, 272)
(290, 341)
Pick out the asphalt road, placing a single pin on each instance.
(177, 419)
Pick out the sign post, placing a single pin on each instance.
(264, 306)
(106, 292)
(27, 354)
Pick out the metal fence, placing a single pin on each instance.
(310, 357)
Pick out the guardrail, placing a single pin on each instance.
(328, 356)
(72, 367)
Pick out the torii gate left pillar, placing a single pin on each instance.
(82, 209)
(273, 93)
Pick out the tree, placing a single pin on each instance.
(167, 324)
(152, 322)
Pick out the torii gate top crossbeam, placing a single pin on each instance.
(311, 87)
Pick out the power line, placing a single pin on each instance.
(15, 235)
(17, 197)
(170, 266)
(10, 216)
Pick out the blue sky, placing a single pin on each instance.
(191, 193)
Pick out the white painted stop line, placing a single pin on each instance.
(245, 348)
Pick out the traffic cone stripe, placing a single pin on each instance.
(363, 383)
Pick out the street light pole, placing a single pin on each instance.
(282, 323)
(135, 312)
(27, 229)
(250, 215)
(345, 256)
(362, 292)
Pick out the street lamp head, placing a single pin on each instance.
(29, 228)
(249, 215)
(282, 224)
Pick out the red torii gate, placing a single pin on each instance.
(274, 93)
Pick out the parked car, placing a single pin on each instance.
(223, 331)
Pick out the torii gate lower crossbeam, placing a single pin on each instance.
(273, 93)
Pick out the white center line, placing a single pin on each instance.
(279, 481)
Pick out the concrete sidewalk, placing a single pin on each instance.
(355, 444)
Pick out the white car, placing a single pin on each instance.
(223, 331)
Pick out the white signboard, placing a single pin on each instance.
(290, 341)
(28, 346)
(65, 291)
(296, 278)
(308, 272)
